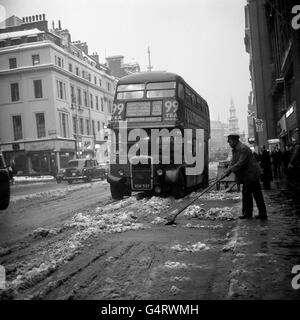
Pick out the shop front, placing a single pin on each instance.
(41, 157)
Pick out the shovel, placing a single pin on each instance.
(172, 216)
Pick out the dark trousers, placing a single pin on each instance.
(250, 190)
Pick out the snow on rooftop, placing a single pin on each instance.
(18, 34)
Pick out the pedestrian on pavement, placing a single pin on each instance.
(265, 164)
(276, 161)
(286, 157)
(247, 172)
(294, 164)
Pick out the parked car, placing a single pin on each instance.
(4, 184)
(83, 169)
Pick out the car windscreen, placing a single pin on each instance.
(72, 164)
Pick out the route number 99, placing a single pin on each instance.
(117, 109)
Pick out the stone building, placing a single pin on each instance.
(55, 98)
(274, 48)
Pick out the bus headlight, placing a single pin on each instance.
(120, 172)
(160, 172)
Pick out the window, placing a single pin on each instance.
(193, 99)
(79, 97)
(102, 105)
(14, 89)
(74, 125)
(85, 97)
(77, 71)
(17, 125)
(180, 91)
(38, 91)
(98, 126)
(91, 101)
(12, 63)
(81, 125)
(188, 94)
(100, 83)
(161, 89)
(59, 62)
(97, 103)
(35, 59)
(132, 87)
(87, 126)
(61, 89)
(95, 80)
(109, 106)
(70, 67)
(152, 94)
(89, 77)
(93, 127)
(73, 98)
(40, 125)
(108, 86)
(64, 129)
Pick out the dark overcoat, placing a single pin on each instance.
(244, 165)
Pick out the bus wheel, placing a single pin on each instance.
(116, 191)
(179, 189)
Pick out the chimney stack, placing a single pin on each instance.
(59, 25)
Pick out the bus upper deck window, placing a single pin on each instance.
(180, 91)
(161, 93)
(131, 87)
(161, 85)
(130, 95)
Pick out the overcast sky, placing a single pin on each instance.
(201, 40)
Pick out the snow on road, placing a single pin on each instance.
(54, 192)
(69, 239)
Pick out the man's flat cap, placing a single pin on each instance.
(233, 135)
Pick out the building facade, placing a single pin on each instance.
(218, 146)
(55, 98)
(273, 46)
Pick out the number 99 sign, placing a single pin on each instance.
(171, 108)
(117, 110)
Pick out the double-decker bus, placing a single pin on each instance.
(161, 101)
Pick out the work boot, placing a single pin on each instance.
(261, 216)
(245, 216)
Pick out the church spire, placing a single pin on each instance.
(233, 120)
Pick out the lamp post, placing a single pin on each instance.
(74, 106)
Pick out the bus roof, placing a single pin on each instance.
(154, 76)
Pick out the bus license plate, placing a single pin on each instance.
(142, 186)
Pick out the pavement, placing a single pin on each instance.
(266, 251)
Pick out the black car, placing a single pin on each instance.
(4, 184)
(83, 169)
